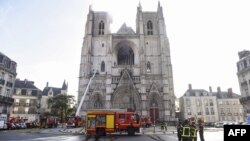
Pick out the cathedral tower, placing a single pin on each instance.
(134, 68)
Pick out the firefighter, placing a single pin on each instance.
(179, 126)
(193, 131)
(201, 132)
(162, 125)
(185, 131)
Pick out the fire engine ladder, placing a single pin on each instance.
(83, 97)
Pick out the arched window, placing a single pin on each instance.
(125, 56)
(103, 67)
(148, 67)
(98, 104)
(150, 28)
(101, 28)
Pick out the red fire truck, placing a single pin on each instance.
(146, 121)
(48, 122)
(100, 122)
(74, 122)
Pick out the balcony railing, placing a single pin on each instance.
(23, 112)
(4, 99)
(4, 111)
(222, 114)
(245, 99)
(116, 79)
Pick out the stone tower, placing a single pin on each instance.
(134, 68)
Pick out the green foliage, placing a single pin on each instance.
(60, 105)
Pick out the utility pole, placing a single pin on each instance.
(154, 116)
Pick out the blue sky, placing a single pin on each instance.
(45, 38)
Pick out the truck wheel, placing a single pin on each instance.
(100, 132)
(131, 131)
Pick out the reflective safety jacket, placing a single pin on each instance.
(179, 127)
(193, 131)
(185, 131)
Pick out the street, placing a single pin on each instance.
(8, 136)
(211, 134)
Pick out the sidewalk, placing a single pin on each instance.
(157, 130)
(150, 130)
(81, 131)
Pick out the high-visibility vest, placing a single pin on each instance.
(185, 131)
(179, 129)
(193, 131)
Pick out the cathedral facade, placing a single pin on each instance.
(134, 69)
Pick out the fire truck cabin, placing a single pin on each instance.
(102, 122)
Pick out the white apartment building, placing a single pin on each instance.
(49, 92)
(243, 73)
(27, 100)
(199, 103)
(7, 80)
(229, 106)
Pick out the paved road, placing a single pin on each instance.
(213, 134)
(9, 136)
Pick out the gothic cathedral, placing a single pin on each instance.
(134, 69)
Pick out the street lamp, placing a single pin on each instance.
(154, 115)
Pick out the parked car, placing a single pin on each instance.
(11, 126)
(244, 123)
(22, 125)
(219, 124)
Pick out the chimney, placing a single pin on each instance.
(210, 89)
(47, 84)
(25, 81)
(218, 90)
(230, 92)
(189, 87)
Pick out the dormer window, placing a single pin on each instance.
(50, 93)
(101, 28)
(150, 27)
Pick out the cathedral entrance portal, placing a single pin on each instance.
(154, 107)
(125, 98)
(154, 114)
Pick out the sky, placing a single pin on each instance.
(45, 38)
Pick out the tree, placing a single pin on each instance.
(60, 104)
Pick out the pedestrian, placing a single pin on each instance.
(179, 126)
(201, 131)
(193, 131)
(165, 126)
(185, 131)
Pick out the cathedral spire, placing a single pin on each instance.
(159, 5)
(64, 86)
(139, 6)
(159, 9)
(90, 8)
